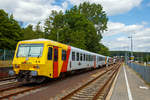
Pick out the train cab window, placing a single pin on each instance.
(77, 56)
(55, 54)
(73, 56)
(84, 57)
(81, 57)
(49, 57)
(63, 54)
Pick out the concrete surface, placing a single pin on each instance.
(137, 89)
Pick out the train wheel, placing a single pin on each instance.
(40, 79)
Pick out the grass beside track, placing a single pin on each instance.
(6, 63)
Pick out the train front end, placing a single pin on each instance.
(28, 62)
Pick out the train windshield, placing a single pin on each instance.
(30, 50)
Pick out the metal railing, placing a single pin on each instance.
(143, 71)
(6, 57)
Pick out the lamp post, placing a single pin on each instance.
(131, 45)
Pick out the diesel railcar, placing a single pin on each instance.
(38, 59)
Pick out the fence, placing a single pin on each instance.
(144, 71)
(6, 57)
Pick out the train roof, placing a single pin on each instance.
(47, 40)
(81, 50)
(40, 39)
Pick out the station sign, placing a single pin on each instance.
(132, 58)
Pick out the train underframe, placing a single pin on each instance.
(26, 76)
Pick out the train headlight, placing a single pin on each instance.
(36, 67)
(11, 72)
(33, 73)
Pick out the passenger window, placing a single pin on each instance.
(77, 56)
(49, 57)
(94, 58)
(55, 54)
(84, 57)
(81, 57)
(63, 54)
(73, 56)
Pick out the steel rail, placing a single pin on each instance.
(109, 81)
(7, 78)
(83, 86)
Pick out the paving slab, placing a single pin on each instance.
(130, 88)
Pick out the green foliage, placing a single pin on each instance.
(28, 33)
(10, 31)
(76, 27)
(146, 58)
(80, 27)
(104, 50)
(94, 13)
(38, 31)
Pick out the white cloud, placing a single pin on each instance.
(30, 11)
(121, 32)
(115, 28)
(112, 7)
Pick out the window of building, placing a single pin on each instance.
(84, 57)
(73, 56)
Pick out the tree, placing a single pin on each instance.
(38, 31)
(10, 31)
(104, 50)
(94, 13)
(28, 33)
(80, 27)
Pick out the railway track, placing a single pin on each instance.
(18, 88)
(7, 78)
(95, 89)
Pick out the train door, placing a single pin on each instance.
(94, 61)
(49, 62)
(55, 62)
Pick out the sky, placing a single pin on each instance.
(126, 18)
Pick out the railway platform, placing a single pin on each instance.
(129, 86)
